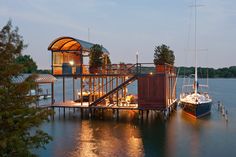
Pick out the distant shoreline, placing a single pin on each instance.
(227, 72)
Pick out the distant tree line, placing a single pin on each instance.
(229, 72)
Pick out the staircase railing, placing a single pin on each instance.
(101, 87)
(99, 100)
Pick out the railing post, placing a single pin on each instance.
(90, 90)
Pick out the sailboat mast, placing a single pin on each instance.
(195, 48)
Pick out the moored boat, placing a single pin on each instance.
(197, 105)
(195, 102)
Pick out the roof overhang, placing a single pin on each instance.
(40, 78)
(69, 44)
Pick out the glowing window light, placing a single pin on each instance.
(71, 63)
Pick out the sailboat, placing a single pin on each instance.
(195, 102)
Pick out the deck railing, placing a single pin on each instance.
(113, 69)
(67, 69)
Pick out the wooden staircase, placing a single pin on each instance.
(99, 100)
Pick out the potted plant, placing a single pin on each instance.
(163, 56)
(95, 58)
(106, 63)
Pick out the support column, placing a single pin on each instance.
(106, 84)
(90, 91)
(81, 112)
(93, 98)
(63, 82)
(64, 112)
(81, 90)
(147, 113)
(111, 86)
(113, 113)
(53, 113)
(102, 86)
(73, 84)
(117, 94)
(99, 87)
(52, 93)
(117, 113)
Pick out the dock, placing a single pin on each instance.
(106, 88)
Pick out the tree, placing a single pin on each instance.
(95, 57)
(163, 55)
(29, 65)
(19, 120)
(106, 62)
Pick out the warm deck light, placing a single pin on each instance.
(71, 63)
(150, 73)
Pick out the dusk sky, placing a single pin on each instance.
(127, 26)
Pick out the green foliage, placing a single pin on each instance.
(95, 58)
(44, 71)
(19, 120)
(212, 73)
(163, 55)
(29, 65)
(108, 60)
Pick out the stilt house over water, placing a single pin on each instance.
(107, 87)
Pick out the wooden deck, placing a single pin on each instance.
(72, 104)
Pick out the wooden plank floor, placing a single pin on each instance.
(72, 104)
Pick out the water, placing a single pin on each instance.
(179, 136)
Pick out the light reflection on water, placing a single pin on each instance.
(180, 135)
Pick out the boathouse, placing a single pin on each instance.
(107, 88)
(39, 79)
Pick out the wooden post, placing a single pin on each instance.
(52, 64)
(113, 112)
(73, 84)
(147, 113)
(124, 89)
(102, 86)
(90, 113)
(106, 84)
(81, 112)
(112, 83)
(117, 114)
(64, 113)
(81, 90)
(139, 114)
(81, 78)
(90, 92)
(117, 94)
(99, 87)
(53, 113)
(52, 92)
(63, 81)
(93, 99)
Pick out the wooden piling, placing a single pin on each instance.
(63, 85)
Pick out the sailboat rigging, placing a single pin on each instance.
(196, 103)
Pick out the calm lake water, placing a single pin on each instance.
(179, 136)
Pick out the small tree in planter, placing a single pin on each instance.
(163, 55)
(106, 62)
(95, 58)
